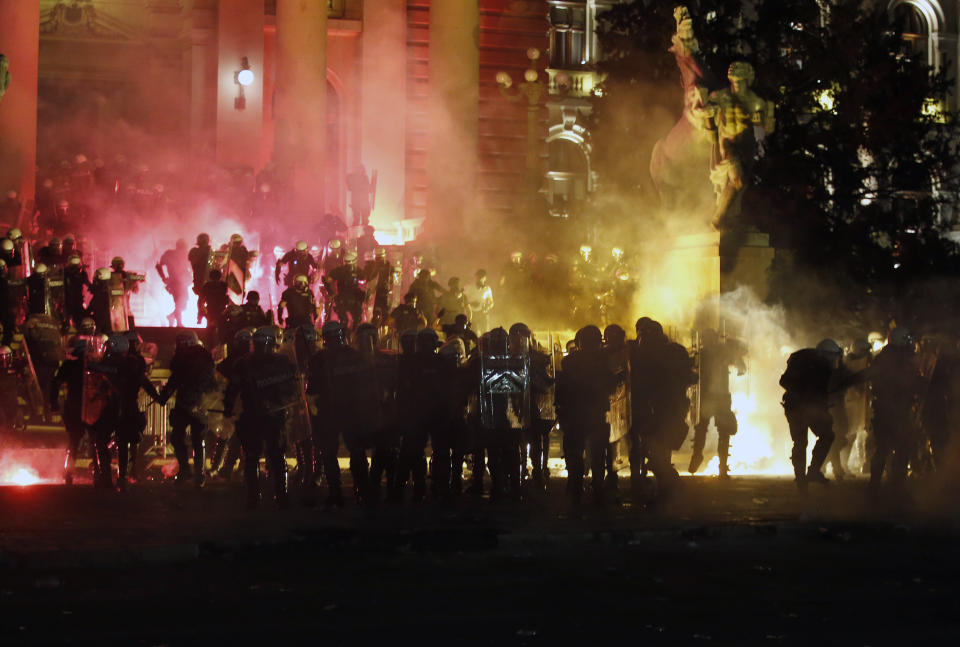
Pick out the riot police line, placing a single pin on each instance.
(490, 403)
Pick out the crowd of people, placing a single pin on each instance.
(366, 349)
(384, 382)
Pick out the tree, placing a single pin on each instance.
(857, 175)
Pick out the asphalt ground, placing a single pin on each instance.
(741, 562)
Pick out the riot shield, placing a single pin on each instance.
(56, 305)
(119, 303)
(298, 425)
(211, 402)
(96, 387)
(619, 415)
(504, 398)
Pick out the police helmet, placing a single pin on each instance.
(516, 257)
(301, 281)
(117, 263)
(335, 243)
(6, 245)
(861, 347)
(117, 344)
(87, 326)
(307, 333)
(41, 268)
(266, 337)
(614, 334)
(829, 347)
(333, 332)
(6, 357)
(301, 246)
(54, 242)
(901, 337)
(589, 338)
(350, 257)
(103, 274)
(3, 264)
(244, 335)
(427, 341)
(69, 238)
(648, 329)
(380, 252)
(73, 260)
(236, 239)
(187, 338)
(520, 329)
(14, 234)
(203, 239)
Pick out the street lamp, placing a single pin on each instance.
(242, 78)
(531, 88)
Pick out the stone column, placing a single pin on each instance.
(383, 106)
(20, 43)
(239, 124)
(300, 103)
(454, 108)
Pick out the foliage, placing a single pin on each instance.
(861, 167)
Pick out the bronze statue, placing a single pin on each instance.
(741, 119)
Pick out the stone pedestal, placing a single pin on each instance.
(383, 112)
(240, 124)
(454, 104)
(300, 114)
(20, 43)
(695, 262)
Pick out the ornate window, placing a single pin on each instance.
(919, 21)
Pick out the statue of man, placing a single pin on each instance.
(4, 75)
(741, 119)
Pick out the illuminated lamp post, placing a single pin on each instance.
(243, 78)
(532, 89)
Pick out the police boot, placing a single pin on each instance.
(723, 453)
(696, 459)
(198, 465)
(230, 460)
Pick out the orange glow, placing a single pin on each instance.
(19, 475)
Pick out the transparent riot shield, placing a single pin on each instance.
(619, 415)
(96, 386)
(298, 425)
(504, 398)
(56, 304)
(119, 303)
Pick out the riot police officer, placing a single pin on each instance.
(344, 388)
(584, 386)
(199, 258)
(191, 376)
(379, 272)
(897, 385)
(299, 262)
(808, 382)
(348, 295)
(75, 279)
(386, 439)
(299, 304)
(717, 356)
(661, 371)
(266, 384)
(122, 418)
(213, 304)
